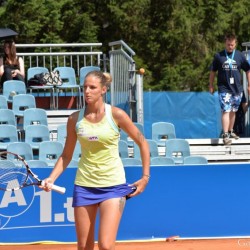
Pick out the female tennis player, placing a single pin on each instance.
(100, 182)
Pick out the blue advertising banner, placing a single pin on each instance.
(190, 201)
(35, 215)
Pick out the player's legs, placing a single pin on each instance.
(85, 226)
(110, 215)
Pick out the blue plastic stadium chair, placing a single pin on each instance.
(21, 148)
(8, 134)
(7, 163)
(73, 164)
(34, 116)
(85, 70)
(195, 159)
(77, 152)
(162, 131)
(178, 149)
(162, 161)
(22, 102)
(130, 162)
(68, 76)
(153, 147)
(50, 151)
(61, 133)
(34, 135)
(123, 149)
(3, 102)
(12, 88)
(7, 116)
(38, 70)
(37, 164)
(124, 136)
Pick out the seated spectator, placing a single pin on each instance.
(11, 66)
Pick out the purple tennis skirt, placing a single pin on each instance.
(84, 196)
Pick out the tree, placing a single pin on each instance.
(174, 40)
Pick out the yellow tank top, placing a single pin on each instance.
(100, 164)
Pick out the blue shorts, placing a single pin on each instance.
(83, 196)
(229, 102)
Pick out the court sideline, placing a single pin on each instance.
(209, 244)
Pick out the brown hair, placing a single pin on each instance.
(230, 36)
(11, 58)
(104, 77)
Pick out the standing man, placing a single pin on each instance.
(229, 63)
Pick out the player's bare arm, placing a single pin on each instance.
(126, 124)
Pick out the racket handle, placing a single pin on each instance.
(56, 188)
(59, 189)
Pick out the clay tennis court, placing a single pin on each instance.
(207, 244)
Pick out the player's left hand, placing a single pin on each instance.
(140, 186)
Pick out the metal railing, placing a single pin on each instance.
(126, 85)
(56, 55)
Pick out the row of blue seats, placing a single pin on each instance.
(15, 88)
(177, 152)
(166, 161)
(69, 82)
(37, 137)
(33, 134)
(162, 132)
(19, 103)
(175, 148)
(163, 135)
(23, 106)
(48, 152)
(67, 75)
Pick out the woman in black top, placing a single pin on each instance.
(11, 66)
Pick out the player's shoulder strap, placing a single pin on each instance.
(108, 112)
(81, 114)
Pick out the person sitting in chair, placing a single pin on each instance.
(11, 66)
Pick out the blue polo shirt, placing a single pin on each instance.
(230, 67)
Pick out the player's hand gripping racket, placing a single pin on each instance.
(15, 173)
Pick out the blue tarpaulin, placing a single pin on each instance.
(194, 114)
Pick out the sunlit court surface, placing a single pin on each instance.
(168, 244)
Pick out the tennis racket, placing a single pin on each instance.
(15, 174)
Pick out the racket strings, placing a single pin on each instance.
(13, 173)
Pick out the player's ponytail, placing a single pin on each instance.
(108, 79)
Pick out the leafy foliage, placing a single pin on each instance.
(174, 40)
